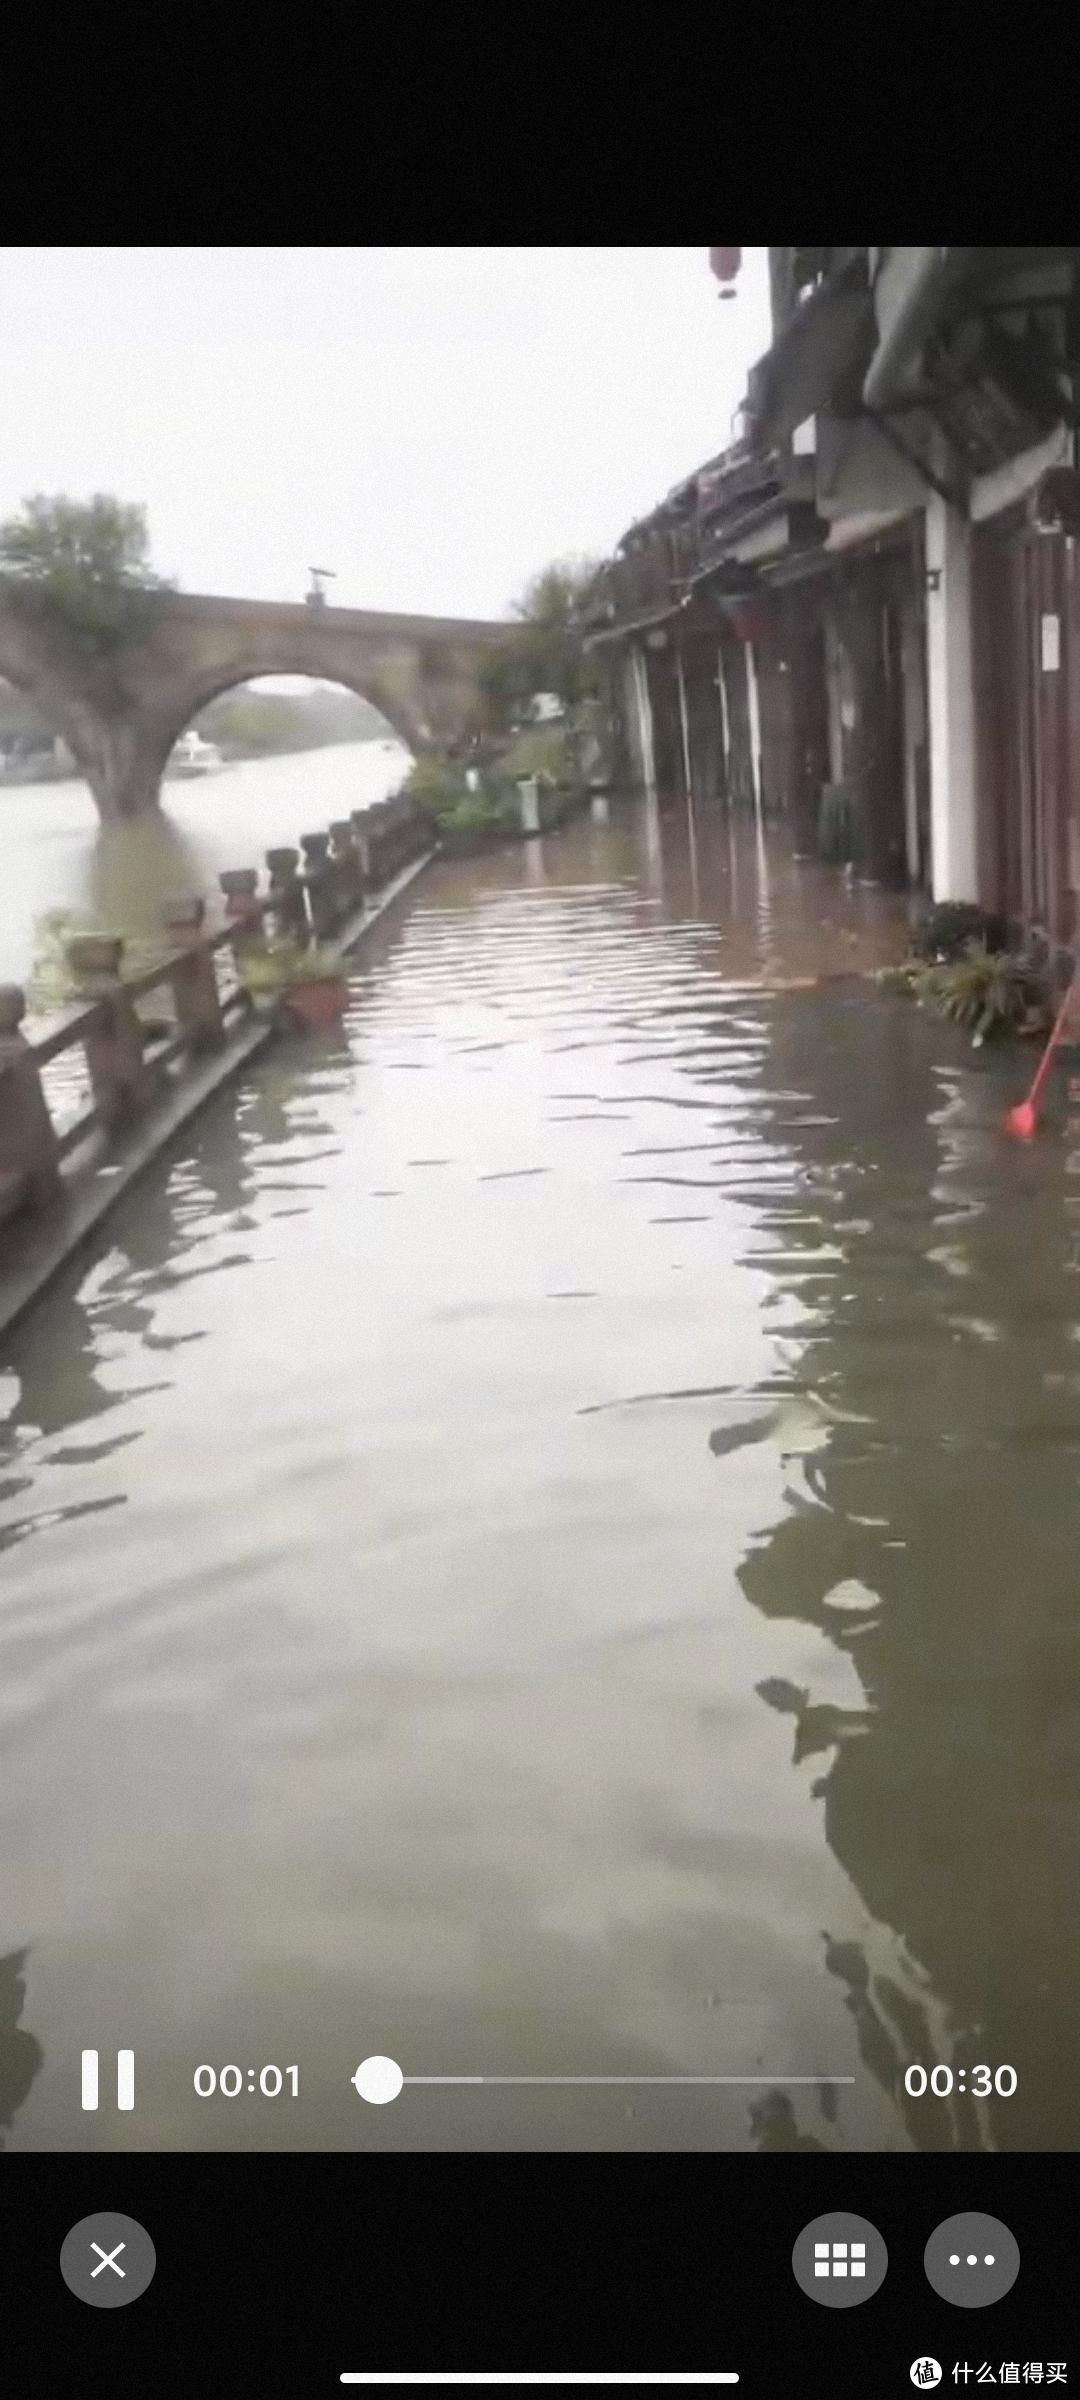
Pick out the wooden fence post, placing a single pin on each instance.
(198, 1002)
(287, 897)
(345, 852)
(122, 1082)
(29, 1152)
(321, 882)
(362, 838)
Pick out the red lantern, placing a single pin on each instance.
(750, 620)
(725, 264)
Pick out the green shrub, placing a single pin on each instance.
(545, 751)
(947, 927)
(440, 785)
(487, 809)
(51, 982)
(272, 966)
(437, 782)
(988, 992)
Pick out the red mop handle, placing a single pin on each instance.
(1043, 1068)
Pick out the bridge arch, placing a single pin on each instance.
(121, 715)
(244, 672)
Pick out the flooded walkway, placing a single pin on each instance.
(546, 1544)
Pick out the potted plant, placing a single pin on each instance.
(94, 957)
(241, 888)
(310, 984)
(317, 991)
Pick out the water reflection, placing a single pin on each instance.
(930, 1537)
(90, 1351)
(57, 854)
(131, 870)
(561, 1500)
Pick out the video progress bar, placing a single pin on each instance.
(578, 2379)
(755, 2081)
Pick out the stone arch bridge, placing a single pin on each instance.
(121, 714)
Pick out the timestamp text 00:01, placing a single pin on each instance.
(979, 2080)
(231, 2081)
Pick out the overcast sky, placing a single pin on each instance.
(434, 424)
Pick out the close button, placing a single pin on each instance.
(107, 2260)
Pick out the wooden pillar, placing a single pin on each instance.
(321, 883)
(29, 1151)
(806, 767)
(240, 886)
(736, 694)
(373, 843)
(703, 709)
(195, 992)
(120, 1079)
(345, 854)
(287, 897)
(362, 838)
(664, 708)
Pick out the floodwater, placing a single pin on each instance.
(543, 1542)
(56, 853)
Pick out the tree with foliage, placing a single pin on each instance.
(82, 563)
(252, 722)
(548, 654)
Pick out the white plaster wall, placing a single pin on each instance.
(644, 722)
(684, 721)
(754, 707)
(954, 852)
(725, 726)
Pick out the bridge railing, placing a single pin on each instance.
(134, 1050)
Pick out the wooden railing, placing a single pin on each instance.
(313, 893)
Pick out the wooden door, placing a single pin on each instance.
(1026, 600)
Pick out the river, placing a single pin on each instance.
(542, 1542)
(56, 854)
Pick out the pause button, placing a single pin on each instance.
(125, 2079)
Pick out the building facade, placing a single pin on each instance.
(862, 618)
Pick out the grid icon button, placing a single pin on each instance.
(844, 2258)
(839, 2260)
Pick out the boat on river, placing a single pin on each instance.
(191, 755)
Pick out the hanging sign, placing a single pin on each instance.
(1051, 645)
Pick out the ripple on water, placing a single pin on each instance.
(688, 1678)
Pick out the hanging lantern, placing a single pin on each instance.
(725, 264)
(750, 620)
